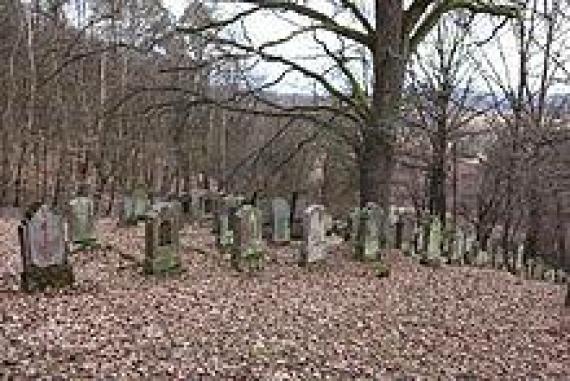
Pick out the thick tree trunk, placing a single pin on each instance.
(376, 155)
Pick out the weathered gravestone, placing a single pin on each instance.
(433, 254)
(298, 205)
(265, 206)
(82, 220)
(141, 203)
(280, 220)
(162, 242)
(367, 239)
(198, 204)
(228, 207)
(127, 214)
(314, 248)
(44, 250)
(247, 244)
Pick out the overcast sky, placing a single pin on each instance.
(264, 27)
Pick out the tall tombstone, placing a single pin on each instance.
(420, 239)
(44, 251)
(519, 259)
(314, 248)
(141, 203)
(329, 224)
(435, 238)
(162, 240)
(224, 233)
(458, 245)
(265, 205)
(354, 223)
(127, 214)
(280, 220)
(399, 231)
(368, 233)
(247, 244)
(82, 220)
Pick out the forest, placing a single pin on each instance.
(285, 189)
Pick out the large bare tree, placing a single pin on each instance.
(383, 34)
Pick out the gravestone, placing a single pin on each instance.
(265, 206)
(300, 204)
(162, 242)
(328, 224)
(280, 219)
(224, 234)
(456, 254)
(435, 239)
(519, 259)
(82, 220)
(127, 215)
(43, 250)
(141, 203)
(367, 242)
(314, 248)
(247, 244)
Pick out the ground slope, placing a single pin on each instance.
(333, 321)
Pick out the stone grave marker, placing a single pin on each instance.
(280, 219)
(247, 244)
(82, 220)
(314, 247)
(127, 215)
(162, 241)
(44, 250)
(435, 240)
(228, 207)
(367, 242)
(141, 203)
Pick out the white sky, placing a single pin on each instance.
(266, 27)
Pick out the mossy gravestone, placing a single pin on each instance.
(82, 220)
(280, 213)
(314, 247)
(247, 240)
(44, 250)
(162, 242)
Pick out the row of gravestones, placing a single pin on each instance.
(45, 237)
(435, 246)
(241, 227)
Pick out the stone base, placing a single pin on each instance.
(40, 278)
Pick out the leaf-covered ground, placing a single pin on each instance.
(333, 321)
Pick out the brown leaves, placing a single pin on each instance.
(334, 321)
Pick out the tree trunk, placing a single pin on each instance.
(376, 154)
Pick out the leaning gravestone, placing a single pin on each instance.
(247, 240)
(280, 220)
(44, 251)
(162, 242)
(314, 248)
(82, 220)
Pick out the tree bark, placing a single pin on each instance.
(376, 154)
